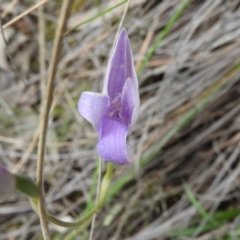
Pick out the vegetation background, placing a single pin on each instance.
(184, 181)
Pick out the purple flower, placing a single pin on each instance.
(115, 110)
(7, 183)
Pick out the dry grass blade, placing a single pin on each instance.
(36, 6)
(46, 106)
(189, 118)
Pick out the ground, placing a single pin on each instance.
(183, 182)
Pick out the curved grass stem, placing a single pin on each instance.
(46, 105)
(102, 196)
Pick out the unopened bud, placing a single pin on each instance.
(26, 186)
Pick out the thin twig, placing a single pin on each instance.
(42, 44)
(146, 43)
(24, 14)
(14, 67)
(45, 111)
(41, 27)
(8, 8)
(27, 152)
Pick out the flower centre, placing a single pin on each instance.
(116, 107)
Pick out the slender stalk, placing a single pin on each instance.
(97, 196)
(102, 196)
(42, 45)
(47, 100)
(29, 10)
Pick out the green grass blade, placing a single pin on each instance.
(198, 206)
(163, 34)
(221, 216)
(93, 188)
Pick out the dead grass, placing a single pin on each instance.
(197, 60)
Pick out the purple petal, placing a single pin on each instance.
(92, 107)
(130, 102)
(130, 70)
(7, 183)
(120, 67)
(112, 145)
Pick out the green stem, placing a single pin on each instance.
(102, 196)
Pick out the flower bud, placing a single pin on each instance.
(26, 185)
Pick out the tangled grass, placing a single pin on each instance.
(184, 182)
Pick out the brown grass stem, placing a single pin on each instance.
(42, 45)
(47, 100)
